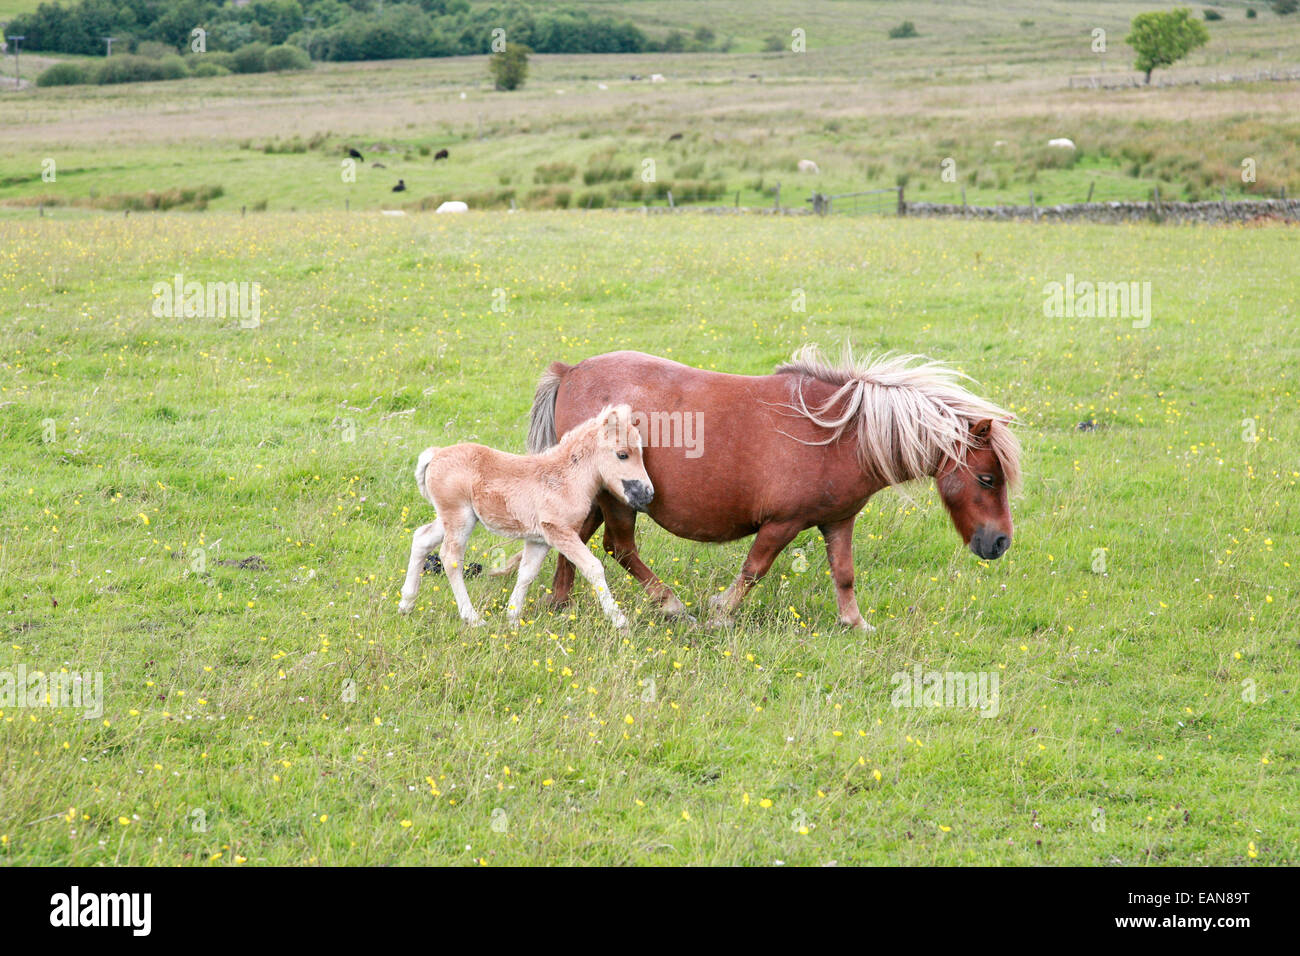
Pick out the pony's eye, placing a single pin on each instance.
(986, 481)
(622, 456)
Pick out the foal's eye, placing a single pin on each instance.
(986, 481)
(622, 456)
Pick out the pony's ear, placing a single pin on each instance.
(980, 430)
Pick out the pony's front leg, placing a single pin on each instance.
(423, 542)
(567, 542)
(839, 551)
(620, 543)
(768, 543)
(534, 554)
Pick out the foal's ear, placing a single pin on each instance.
(980, 430)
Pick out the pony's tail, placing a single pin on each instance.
(422, 466)
(509, 567)
(541, 420)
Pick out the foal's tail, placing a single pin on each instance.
(541, 421)
(422, 466)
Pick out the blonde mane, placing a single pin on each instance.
(910, 413)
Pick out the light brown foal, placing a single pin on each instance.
(542, 498)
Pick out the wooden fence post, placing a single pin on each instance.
(902, 205)
(1091, 186)
(1033, 208)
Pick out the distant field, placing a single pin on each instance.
(983, 88)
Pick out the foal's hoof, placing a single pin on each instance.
(859, 625)
(405, 608)
(721, 623)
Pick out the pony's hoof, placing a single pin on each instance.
(720, 622)
(862, 626)
(473, 621)
(405, 607)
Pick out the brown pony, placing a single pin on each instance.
(772, 455)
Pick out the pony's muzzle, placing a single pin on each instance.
(990, 543)
(638, 493)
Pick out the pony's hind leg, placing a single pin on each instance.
(768, 543)
(620, 543)
(534, 554)
(423, 542)
(453, 562)
(567, 542)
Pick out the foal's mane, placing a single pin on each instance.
(909, 413)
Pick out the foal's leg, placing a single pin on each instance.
(423, 542)
(458, 528)
(839, 550)
(620, 541)
(768, 543)
(534, 554)
(562, 583)
(567, 542)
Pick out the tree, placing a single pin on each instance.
(1164, 37)
(1283, 7)
(509, 68)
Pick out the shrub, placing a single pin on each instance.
(63, 74)
(554, 173)
(173, 67)
(904, 30)
(1213, 14)
(222, 58)
(207, 67)
(773, 44)
(281, 58)
(509, 68)
(128, 69)
(250, 58)
(604, 173)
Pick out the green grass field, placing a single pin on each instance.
(216, 519)
(279, 710)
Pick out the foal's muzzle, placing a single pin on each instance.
(989, 543)
(638, 493)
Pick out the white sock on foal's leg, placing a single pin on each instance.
(423, 542)
(453, 563)
(570, 545)
(529, 566)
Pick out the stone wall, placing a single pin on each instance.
(1114, 212)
